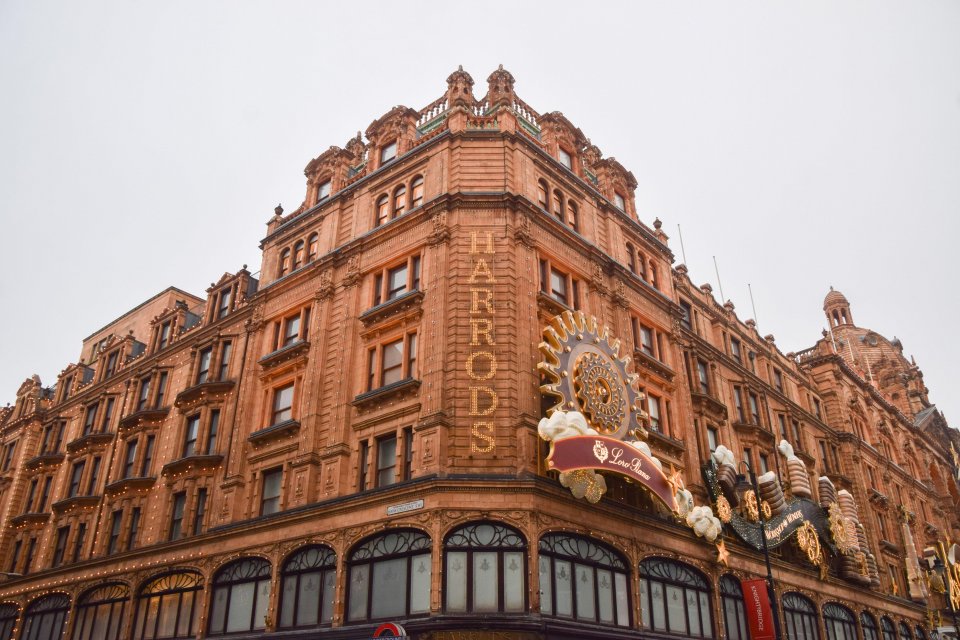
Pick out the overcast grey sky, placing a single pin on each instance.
(804, 144)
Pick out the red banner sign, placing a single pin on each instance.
(608, 454)
(756, 603)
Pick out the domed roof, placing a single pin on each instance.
(834, 297)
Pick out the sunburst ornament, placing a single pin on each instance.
(809, 541)
(750, 505)
(584, 372)
(724, 512)
(839, 531)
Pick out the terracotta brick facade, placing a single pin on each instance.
(379, 374)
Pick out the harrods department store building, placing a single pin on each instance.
(350, 436)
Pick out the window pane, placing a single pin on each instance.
(675, 613)
(564, 591)
(359, 584)
(389, 588)
(546, 586)
(456, 590)
(288, 593)
(166, 626)
(241, 606)
(219, 607)
(329, 590)
(420, 584)
(485, 579)
(392, 363)
(260, 609)
(623, 604)
(659, 607)
(693, 613)
(188, 614)
(308, 602)
(605, 593)
(397, 282)
(514, 583)
(586, 609)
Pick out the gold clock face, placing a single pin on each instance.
(584, 372)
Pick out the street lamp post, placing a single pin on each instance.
(742, 483)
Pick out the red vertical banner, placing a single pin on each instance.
(756, 604)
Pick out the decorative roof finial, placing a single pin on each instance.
(278, 210)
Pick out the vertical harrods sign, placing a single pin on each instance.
(481, 362)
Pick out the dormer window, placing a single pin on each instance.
(388, 152)
(226, 298)
(565, 159)
(323, 191)
(619, 202)
(112, 363)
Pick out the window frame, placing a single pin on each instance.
(390, 545)
(273, 503)
(669, 573)
(485, 537)
(375, 360)
(255, 570)
(311, 559)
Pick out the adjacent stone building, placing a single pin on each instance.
(349, 436)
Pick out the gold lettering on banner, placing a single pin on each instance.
(481, 365)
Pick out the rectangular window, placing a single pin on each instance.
(738, 403)
(147, 457)
(203, 365)
(115, 528)
(61, 547)
(323, 190)
(644, 336)
(565, 158)
(60, 427)
(144, 396)
(873, 480)
(291, 330)
(735, 349)
(282, 404)
(224, 360)
(407, 453)
(107, 415)
(619, 202)
(31, 494)
(816, 409)
(778, 380)
(15, 556)
(386, 461)
(363, 465)
(45, 495)
(748, 456)
(392, 362)
(764, 463)
(75, 477)
(78, 542)
(653, 408)
(201, 510)
(89, 419)
(270, 499)
(712, 439)
(795, 424)
(112, 363)
(226, 298)
(94, 477)
(8, 455)
(134, 528)
(388, 152)
(176, 516)
(190, 436)
(686, 312)
(395, 281)
(754, 409)
(163, 337)
(31, 547)
(559, 285)
(416, 193)
(129, 458)
(823, 455)
(703, 376)
(212, 432)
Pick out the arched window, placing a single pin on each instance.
(416, 192)
(101, 613)
(800, 616)
(675, 598)
(383, 209)
(920, 633)
(313, 246)
(284, 262)
(8, 620)
(886, 629)
(44, 618)
(839, 622)
(309, 583)
(573, 216)
(390, 576)
(558, 205)
(241, 593)
(399, 201)
(583, 579)
(733, 617)
(166, 607)
(542, 191)
(652, 270)
(905, 631)
(298, 255)
(869, 625)
(485, 569)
